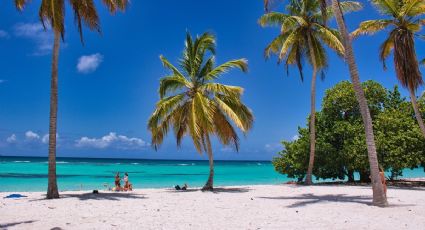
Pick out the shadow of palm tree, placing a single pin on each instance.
(309, 199)
(8, 225)
(187, 190)
(230, 190)
(100, 196)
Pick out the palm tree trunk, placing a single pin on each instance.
(379, 197)
(308, 179)
(416, 109)
(52, 189)
(210, 182)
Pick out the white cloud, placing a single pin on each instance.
(112, 140)
(273, 147)
(4, 34)
(30, 136)
(11, 139)
(35, 32)
(296, 137)
(45, 138)
(88, 64)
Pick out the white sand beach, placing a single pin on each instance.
(244, 207)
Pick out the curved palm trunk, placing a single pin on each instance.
(52, 189)
(209, 185)
(417, 112)
(308, 178)
(379, 197)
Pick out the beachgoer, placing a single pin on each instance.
(177, 187)
(117, 182)
(383, 180)
(127, 185)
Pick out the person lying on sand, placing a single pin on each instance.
(177, 187)
(127, 185)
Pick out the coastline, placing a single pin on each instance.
(234, 207)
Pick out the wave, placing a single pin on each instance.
(61, 162)
(21, 161)
(135, 163)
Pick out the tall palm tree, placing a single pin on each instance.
(52, 12)
(379, 197)
(303, 35)
(195, 105)
(404, 22)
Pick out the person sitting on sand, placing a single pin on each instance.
(127, 185)
(117, 182)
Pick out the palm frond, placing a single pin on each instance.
(405, 60)
(272, 19)
(241, 64)
(170, 66)
(386, 48)
(412, 8)
(387, 7)
(216, 88)
(371, 27)
(172, 83)
(346, 7)
(20, 4)
(331, 38)
(115, 5)
(85, 12)
(53, 13)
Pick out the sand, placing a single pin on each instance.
(245, 207)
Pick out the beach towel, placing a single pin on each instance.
(14, 196)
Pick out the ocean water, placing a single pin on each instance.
(30, 173)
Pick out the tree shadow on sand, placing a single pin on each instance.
(100, 196)
(230, 190)
(216, 190)
(309, 199)
(8, 225)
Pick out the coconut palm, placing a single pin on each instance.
(303, 35)
(379, 197)
(194, 104)
(323, 7)
(403, 20)
(53, 13)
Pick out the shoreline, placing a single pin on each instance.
(228, 207)
(400, 183)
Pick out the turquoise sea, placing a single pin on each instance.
(30, 173)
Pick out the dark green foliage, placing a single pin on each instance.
(341, 146)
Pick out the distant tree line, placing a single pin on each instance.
(341, 146)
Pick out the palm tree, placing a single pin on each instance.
(195, 105)
(404, 22)
(303, 35)
(53, 13)
(379, 197)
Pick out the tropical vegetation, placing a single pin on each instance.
(52, 13)
(193, 103)
(341, 144)
(303, 35)
(404, 22)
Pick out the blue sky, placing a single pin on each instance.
(108, 88)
